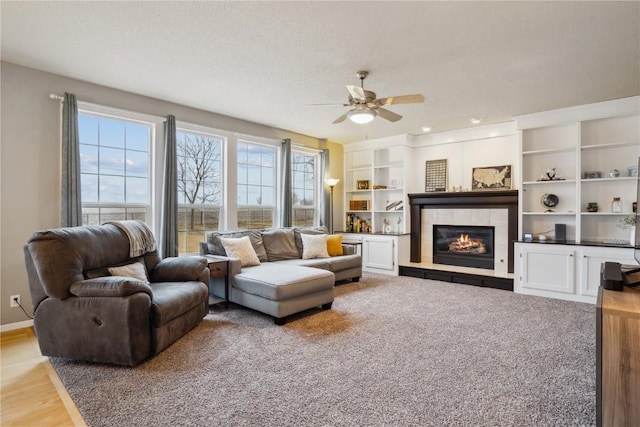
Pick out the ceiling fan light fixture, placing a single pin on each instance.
(361, 115)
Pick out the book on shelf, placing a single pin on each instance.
(359, 205)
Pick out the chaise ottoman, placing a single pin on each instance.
(282, 290)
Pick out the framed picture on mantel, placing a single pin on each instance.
(435, 176)
(491, 178)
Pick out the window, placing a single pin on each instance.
(256, 185)
(304, 192)
(115, 168)
(199, 187)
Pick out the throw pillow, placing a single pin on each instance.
(215, 247)
(240, 248)
(136, 270)
(306, 230)
(280, 244)
(334, 245)
(314, 246)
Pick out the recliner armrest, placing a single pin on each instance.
(110, 286)
(179, 269)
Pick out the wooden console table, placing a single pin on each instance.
(618, 357)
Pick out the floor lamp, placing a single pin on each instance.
(331, 182)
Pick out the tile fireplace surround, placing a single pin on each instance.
(489, 208)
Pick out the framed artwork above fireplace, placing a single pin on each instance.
(491, 178)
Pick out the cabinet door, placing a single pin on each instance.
(591, 260)
(379, 253)
(548, 268)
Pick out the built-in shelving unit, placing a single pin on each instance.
(583, 144)
(593, 149)
(375, 189)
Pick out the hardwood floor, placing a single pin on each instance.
(31, 394)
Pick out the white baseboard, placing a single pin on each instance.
(17, 325)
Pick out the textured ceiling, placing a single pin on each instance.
(264, 61)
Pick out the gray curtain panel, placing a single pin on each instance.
(287, 197)
(325, 206)
(169, 221)
(71, 209)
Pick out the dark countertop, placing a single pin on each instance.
(573, 243)
(372, 233)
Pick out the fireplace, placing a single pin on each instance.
(463, 245)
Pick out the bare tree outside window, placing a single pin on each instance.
(199, 187)
(303, 170)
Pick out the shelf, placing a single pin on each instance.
(359, 169)
(622, 178)
(349, 211)
(549, 151)
(605, 213)
(389, 165)
(550, 213)
(553, 182)
(610, 146)
(357, 191)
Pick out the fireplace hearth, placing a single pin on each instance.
(463, 245)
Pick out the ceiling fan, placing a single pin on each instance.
(366, 106)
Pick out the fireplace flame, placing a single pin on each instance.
(464, 244)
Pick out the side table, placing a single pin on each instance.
(220, 268)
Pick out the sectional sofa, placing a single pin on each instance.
(282, 271)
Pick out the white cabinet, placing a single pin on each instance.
(584, 144)
(591, 259)
(381, 253)
(546, 268)
(570, 272)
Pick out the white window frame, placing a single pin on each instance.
(233, 223)
(155, 158)
(224, 136)
(317, 185)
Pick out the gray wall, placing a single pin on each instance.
(30, 159)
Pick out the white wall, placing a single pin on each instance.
(30, 159)
(465, 149)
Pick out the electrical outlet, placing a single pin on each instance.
(13, 301)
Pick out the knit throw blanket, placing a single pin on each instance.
(140, 236)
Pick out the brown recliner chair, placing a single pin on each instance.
(82, 312)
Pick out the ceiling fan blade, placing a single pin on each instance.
(388, 115)
(326, 105)
(356, 92)
(402, 99)
(340, 119)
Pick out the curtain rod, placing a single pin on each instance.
(56, 97)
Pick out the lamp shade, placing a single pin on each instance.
(361, 115)
(332, 182)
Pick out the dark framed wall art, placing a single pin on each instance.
(435, 176)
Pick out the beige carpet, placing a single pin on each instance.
(393, 351)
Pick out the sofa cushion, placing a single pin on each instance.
(344, 262)
(173, 299)
(322, 263)
(280, 282)
(334, 245)
(215, 247)
(280, 244)
(137, 270)
(314, 246)
(240, 248)
(308, 230)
